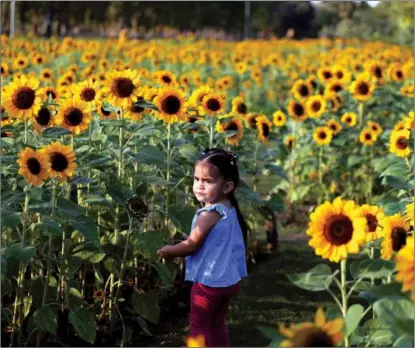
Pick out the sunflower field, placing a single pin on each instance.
(98, 143)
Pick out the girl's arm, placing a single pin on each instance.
(204, 224)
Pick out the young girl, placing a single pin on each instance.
(215, 249)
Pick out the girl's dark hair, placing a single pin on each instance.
(225, 161)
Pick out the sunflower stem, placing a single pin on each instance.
(168, 173)
(26, 131)
(320, 173)
(343, 270)
(255, 181)
(360, 110)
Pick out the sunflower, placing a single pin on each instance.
(121, 88)
(362, 89)
(341, 74)
(279, 119)
(239, 106)
(212, 104)
(196, 341)
(43, 119)
(264, 127)
(198, 94)
(334, 87)
(349, 118)
(99, 295)
(241, 67)
(325, 74)
(395, 230)
(290, 142)
(322, 135)
(315, 106)
(4, 68)
(321, 333)
(409, 121)
(301, 89)
(334, 126)
(376, 70)
(405, 266)
(368, 137)
(250, 120)
(88, 91)
(373, 215)
(399, 126)
(38, 59)
(46, 91)
(165, 78)
(105, 114)
(20, 63)
(399, 143)
(410, 213)
(46, 75)
(297, 110)
(172, 105)
(375, 127)
(407, 90)
(135, 112)
(74, 115)
(21, 98)
(235, 124)
(336, 229)
(333, 101)
(34, 166)
(62, 160)
(395, 72)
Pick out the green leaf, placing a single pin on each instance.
(189, 152)
(182, 217)
(34, 192)
(276, 203)
(3, 267)
(352, 160)
(96, 199)
(164, 274)
(398, 169)
(27, 303)
(379, 333)
(7, 159)
(95, 160)
(276, 170)
(353, 317)
(372, 268)
(113, 266)
(19, 252)
(148, 244)
(10, 218)
(69, 209)
(143, 325)
(45, 318)
(318, 278)
(55, 132)
(404, 341)
(150, 155)
(119, 192)
(75, 299)
(147, 305)
(382, 290)
(268, 332)
(79, 180)
(88, 252)
(396, 182)
(146, 105)
(48, 225)
(83, 321)
(87, 227)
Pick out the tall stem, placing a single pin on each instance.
(320, 173)
(211, 132)
(343, 270)
(168, 172)
(26, 131)
(255, 181)
(360, 110)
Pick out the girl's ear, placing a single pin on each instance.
(229, 186)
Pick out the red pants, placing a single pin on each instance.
(208, 307)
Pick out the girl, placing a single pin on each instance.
(215, 249)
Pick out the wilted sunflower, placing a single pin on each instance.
(395, 232)
(21, 98)
(34, 166)
(212, 104)
(349, 118)
(297, 110)
(410, 213)
(315, 106)
(62, 160)
(74, 114)
(321, 333)
(239, 106)
(121, 88)
(172, 105)
(399, 143)
(373, 215)
(279, 119)
(88, 91)
(196, 341)
(336, 229)
(165, 78)
(290, 141)
(367, 137)
(264, 127)
(322, 135)
(43, 119)
(362, 89)
(334, 126)
(250, 120)
(234, 124)
(405, 266)
(301, 90)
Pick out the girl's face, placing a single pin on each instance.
(209, 186)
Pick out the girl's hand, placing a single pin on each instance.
(163, 252)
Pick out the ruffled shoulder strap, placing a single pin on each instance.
(218, 207)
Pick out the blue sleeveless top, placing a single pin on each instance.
(221, 261)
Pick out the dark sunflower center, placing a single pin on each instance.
(51, 93)
(339, 74)
(303, 90)
(171, 105)
(213, 104)
(378, 72)
(88, 94)
(166, 79)
(33, 165)
(59, 162)
(372, 222)
(252, 122)
(69, 78)
(43, 116)
(312, 337)
(398, 238)
(39, 60)
(298, 109)
(399, 74)
(73, 117)
(232, 127)
(368, 136)
(242, 108)
(24, 98)
(327, 74)
(336, 88)
(313, 83)
(322, 135)
(374, 128)
(338, 229)
(122, 87)
(104, 112)
(46, 75)
(348, 120)
(21, 62)
(2, 70)
(316, 106)
(402, 143)
(363, 88)
(290, 143)
(137, 109)
(192, 119)
(265, 130)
